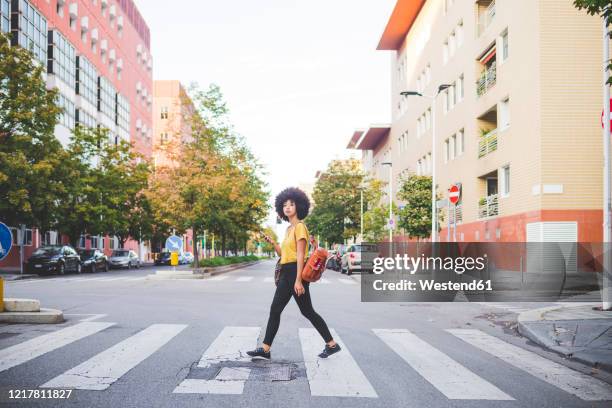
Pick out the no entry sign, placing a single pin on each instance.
(453, 194)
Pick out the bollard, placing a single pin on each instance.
(1, 294)
(174, 259)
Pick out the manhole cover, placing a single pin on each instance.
(233, 374)
(282, 373)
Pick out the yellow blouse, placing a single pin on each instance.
(289, 244)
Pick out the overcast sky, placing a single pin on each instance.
(298, 76)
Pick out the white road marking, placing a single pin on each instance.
(338, 375)
(449, 377)
(244, 279)
(87, 319)
(324, 281)
(218, 278)
(269, 279)
(230, 345)
(347, 281)
(196, 386)
(574, 382)
(30, 349)
(103, 369)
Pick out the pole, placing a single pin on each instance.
(434, 227)
(213, 245)
(361, 216)
(455, 222)
(21, 242)
(448, 222)
(606, 292)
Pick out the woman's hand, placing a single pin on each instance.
(267, 238)
(298, 288)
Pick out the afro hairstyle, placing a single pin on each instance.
(301, 200)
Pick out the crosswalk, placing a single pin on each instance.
(345, 374)
(218, 278)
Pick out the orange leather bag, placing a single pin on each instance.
(314, 267)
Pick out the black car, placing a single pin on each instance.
(54, 258)
(163, 258)
(93, 260)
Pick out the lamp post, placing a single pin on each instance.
(390, 205)
(606, 292)
(434, 218)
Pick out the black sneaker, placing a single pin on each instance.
(259, 354)
(328, 351)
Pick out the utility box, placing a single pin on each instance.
(174, 258)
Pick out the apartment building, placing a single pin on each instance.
(97, 53)
(517, 123)
(172, 126)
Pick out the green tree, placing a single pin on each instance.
(336, 213)
(602, 8)
(32, 177)
(415, 216)
(376, 216)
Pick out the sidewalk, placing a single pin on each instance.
(575, 331)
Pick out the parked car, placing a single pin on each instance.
(186, 258)
(93, 260)
(54, 258)
(124, 258)
(163, 258)
(351, 260)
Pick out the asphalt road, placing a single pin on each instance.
(129, 341)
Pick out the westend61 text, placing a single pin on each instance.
(424, 285)
(412, 264)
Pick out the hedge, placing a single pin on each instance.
(221, 261)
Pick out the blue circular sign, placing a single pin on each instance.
(174, 243)
(6, 241)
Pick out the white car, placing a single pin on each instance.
(351, 259)
(186, 258)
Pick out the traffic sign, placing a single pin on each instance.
(174, 243)
(390, 223)
(6, 240)
(453, 194)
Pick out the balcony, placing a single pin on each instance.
(488, 207)
(487, 79)
(487, 143)
(486, 14)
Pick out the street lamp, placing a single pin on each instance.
(434, 220)
(390, 204)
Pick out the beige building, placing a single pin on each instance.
(519, 127)
(172, 109)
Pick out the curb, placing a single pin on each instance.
(44, 316)
(535, 317)
(201, 273)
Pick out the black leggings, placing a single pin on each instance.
(283, 293)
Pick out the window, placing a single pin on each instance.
(123, 112)
(429, 162)
(67, 116)
(106, 97)
(428, 118)
(81, 241)
(163, 138)
(451, 44)
(459, 34)
(62, 58)
(83, 118)
(164, 112)
(5, 16)
(460, 142)
(60, 9)
(86, 80)
(453, 147)
(428, 73)
(504, 45)
(505, 181)
(460, 88)
(446, 151)
(32, 33)
(504, 113)
(419, 169)
(18, 238)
